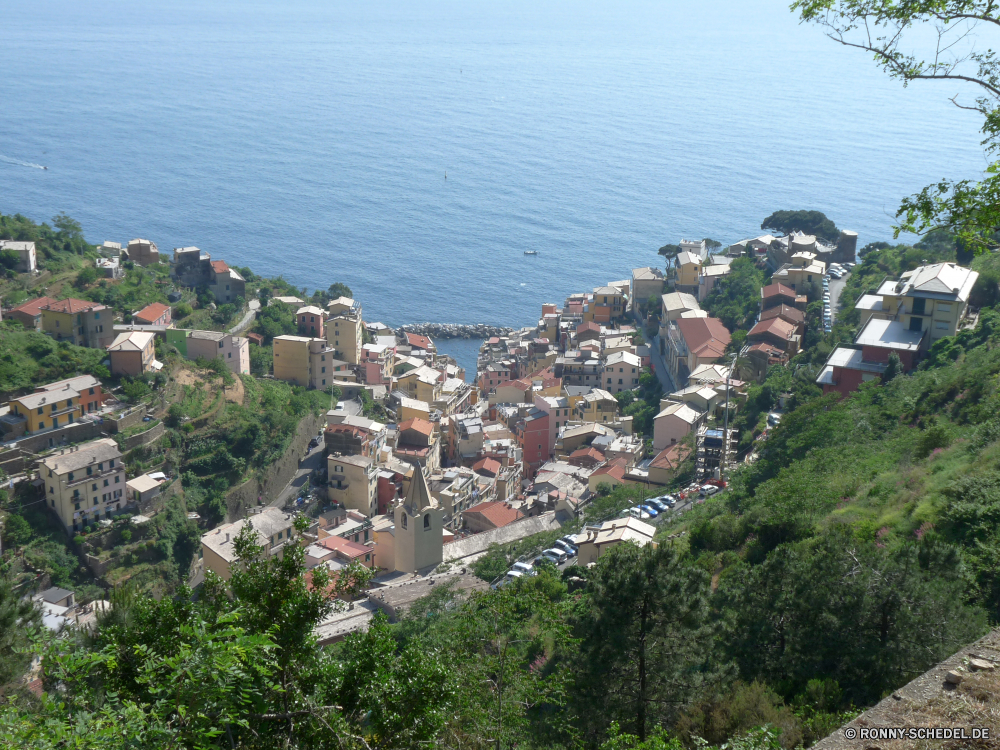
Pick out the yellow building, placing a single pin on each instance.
(609, 304)
(423, 384)
(344, 329)
(932, 298)
(595, 541)
(273, 528)
(308, 362)
(804, 271)
(54, 405)
(597, 406)
(78, 321)
(411, 408)
(688, 267)
(353, 482)
(84, 484)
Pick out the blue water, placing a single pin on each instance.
(312, 138)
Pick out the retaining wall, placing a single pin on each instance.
(144, 438)
(278, 475)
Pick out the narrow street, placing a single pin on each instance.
(247, 319)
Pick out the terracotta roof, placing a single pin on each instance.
(344, 546)
(72, 305)
(671, 457)
(151, 313)
(705, 337)
(497, 513)
(33, 306)
(420, 342)
(769, 349)
(791, 314)
(487, 466)
(775, 327)
(773, 290)
(219, 266)
(616, 471)
(587, 453)
(419, 425)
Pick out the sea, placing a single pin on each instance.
(415, 149)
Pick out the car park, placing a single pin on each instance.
(660, 505)
(566, 547)
(555, 555)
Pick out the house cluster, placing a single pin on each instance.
(904, 316)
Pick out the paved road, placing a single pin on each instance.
(660, 366)
(836, 287)
(247, 319)
(313, 460)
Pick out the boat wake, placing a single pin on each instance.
(20, 163)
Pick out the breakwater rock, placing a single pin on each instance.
(454, 331)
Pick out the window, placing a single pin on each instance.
(404, 520)
(118, 478)
(91, 391)
(93, 487)
(111, 463)
(916, 324)
(106, 482)
(941, 325)
(427, 521)
(943, 307)
(100, 467)
(220, 344)
(41, 409)
(90, 470)
(279, 536)
(71, 476)
(95, 499)
(97, 316)
(919, 304)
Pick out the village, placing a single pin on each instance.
(411, 467)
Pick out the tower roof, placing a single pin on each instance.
(418, 496)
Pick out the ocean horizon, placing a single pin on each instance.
(414, 151)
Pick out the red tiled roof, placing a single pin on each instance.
(773, 290)
(256, 338)
(706, 337)
(219, 266)
(419, 425)
(671, 457)
(769, 349)
(497, 513)
(775, 327)
(487, 466)
(616, 471)
(587, 453)
(151, 313)
(72, 306)
(420, 342)
(345, 546)
(33, 306)
(791, 314)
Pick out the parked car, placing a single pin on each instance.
(523, 568)
(773, 418)
(570, 539)
(566, 547)
(653, 512)
(708, 490)
(555, 555)
(638, 513)
(661, 507)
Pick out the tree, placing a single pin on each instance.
(340, 290)
(9, 259)
(18, 618)
(86, 277)
(810, 222)
(669, 252)
(647, 638)
(712, 244)
(16, 531)
(893, 368)
(957, 50)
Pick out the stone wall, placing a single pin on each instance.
(278, 475)
(127, 419)
(144, 438)
(72, 433)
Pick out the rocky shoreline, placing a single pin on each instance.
(456, 331)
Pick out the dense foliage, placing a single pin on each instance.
(28, 358)
(809, 222)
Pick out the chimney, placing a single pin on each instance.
(227, 537)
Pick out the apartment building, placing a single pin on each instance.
(621, 372)
(143, 252)
(646, 283)
(233, 350)
(932, 298)
(273, 528)
(78, 321)
(353, 482)
(132, 353)
(156, 314)
(308, 362)
(344, 329)
(310, 321)
(29, 313)
(52, 406)
(84, 484)
(597, 406)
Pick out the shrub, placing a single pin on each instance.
(182, 310)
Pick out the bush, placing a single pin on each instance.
(182, 310)
(127, 536)
(78, 540)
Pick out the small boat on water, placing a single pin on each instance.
(531, 252)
